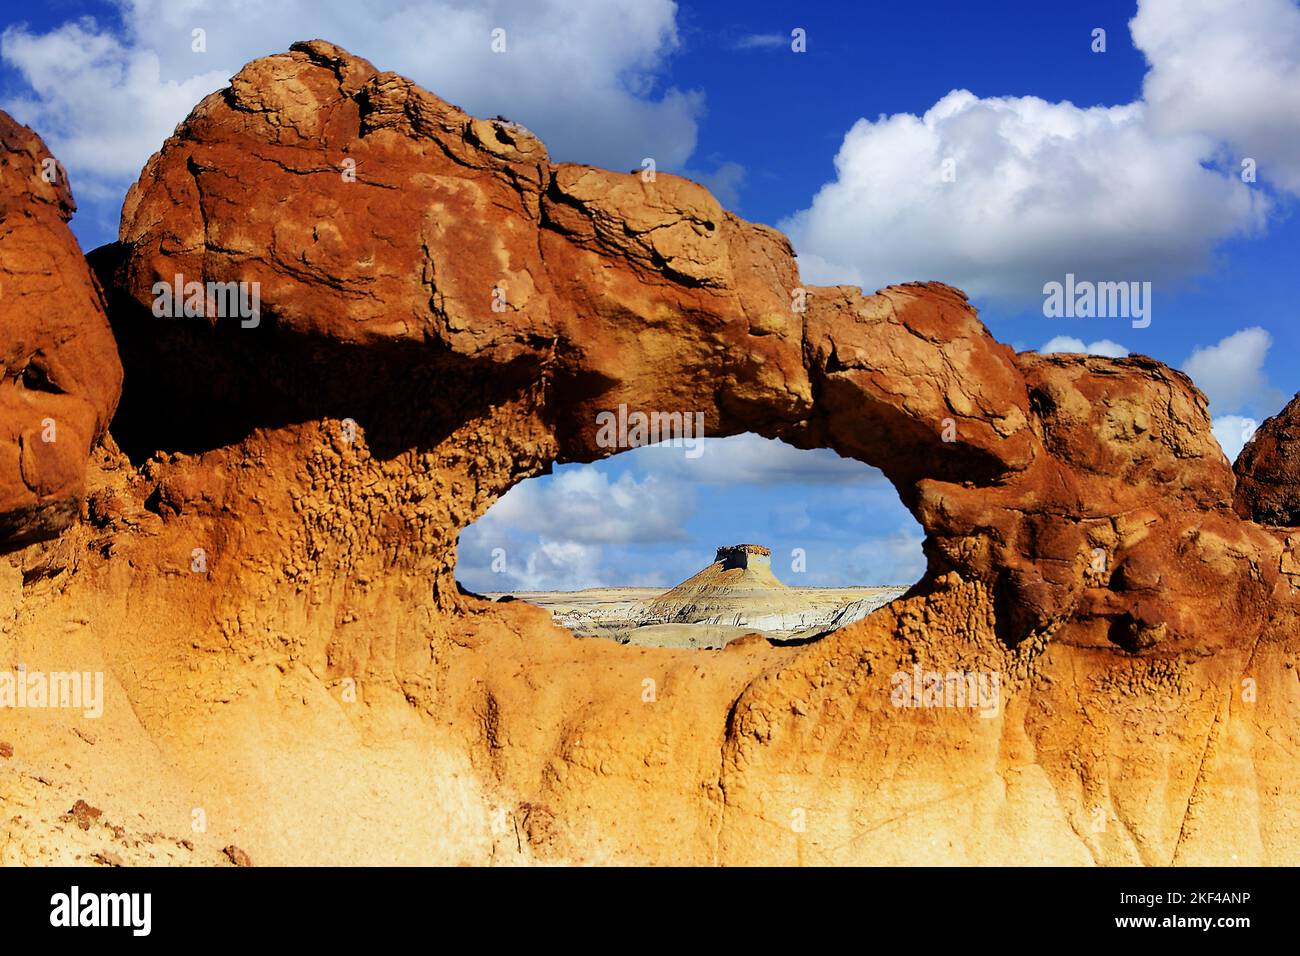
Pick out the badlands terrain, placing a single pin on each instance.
(734, 597)
(249, 530)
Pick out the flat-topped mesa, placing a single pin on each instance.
(744, 556)
(738, 588)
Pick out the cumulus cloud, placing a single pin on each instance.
(1001, 194)
(488, 565)
(583, 76)
(752, 459)
(553, 533)
(1230, 69)
(889, 559)
(1232, 432)
(582, 504)
(1231, 373)
(1068, 343)
(86, 81)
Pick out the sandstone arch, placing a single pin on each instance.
(1067, 483)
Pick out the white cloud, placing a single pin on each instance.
(1230, 69)
(1037, 190)
(1232, 432)
(86, 82)
(1231, 373)
(551, 534)
(752, 459)
(889, 559)
(581, 504)
(583, 76)
(761, 41)
(1141, 191)
(1068, 343)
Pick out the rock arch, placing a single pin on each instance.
(1083, 492)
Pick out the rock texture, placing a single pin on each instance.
(395, 238)
(267, 573)
(59, 373)
(1268, 471)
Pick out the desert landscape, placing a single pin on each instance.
(247, 525)
(734, 597)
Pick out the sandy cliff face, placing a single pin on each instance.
(265, 570)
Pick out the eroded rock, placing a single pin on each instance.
(59, 372)
(1268, 471)
(421, 270)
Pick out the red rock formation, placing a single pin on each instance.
(59, 372)
(397, 240)
(1268, 471)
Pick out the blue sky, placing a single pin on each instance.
(1122, 165)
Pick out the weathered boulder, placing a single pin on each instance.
(1268, 471)
(59, 373)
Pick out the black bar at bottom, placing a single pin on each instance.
(334, 906)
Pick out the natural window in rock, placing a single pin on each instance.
(696, 547)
